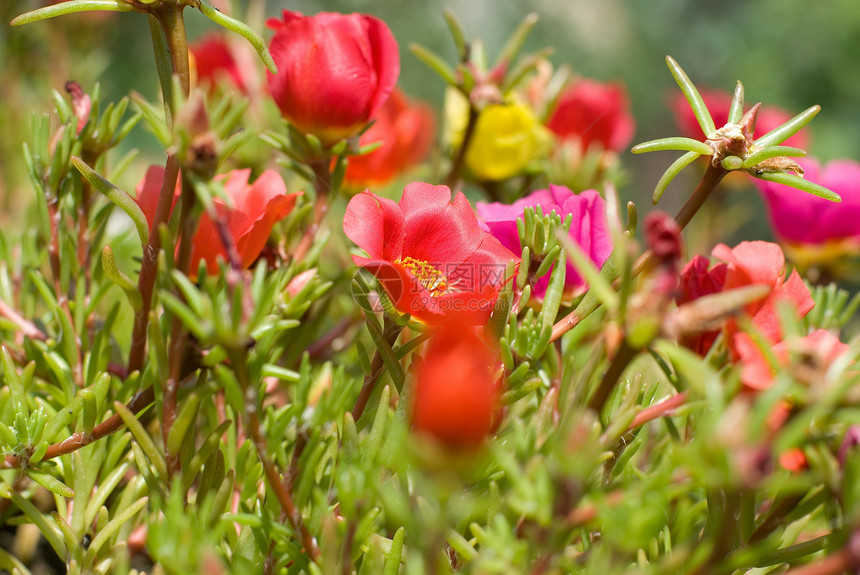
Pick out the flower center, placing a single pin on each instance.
(432, 279)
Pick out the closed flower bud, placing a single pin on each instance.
(335, 71)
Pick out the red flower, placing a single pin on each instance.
(335, 71)
(819, 349)
(456, 396)
(763, 263)
(214, 59)
(718, 103)
(749, 263)
(429, 252)
(594, 112)
(256, 209)
(696, 281)
(405, 130)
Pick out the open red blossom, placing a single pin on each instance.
(591, 111)
(256, 209)
(457, 397)
(335, 71)
(429, 253)
(763, 263)
(718, 103)
(404, 130)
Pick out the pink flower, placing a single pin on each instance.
(591, 111)
(405, 130)
(763, 263)
(748, 263)
(335, 71)
(256, 209)
(819, 349)
(718, 103)
(801, 218)
(589, 228)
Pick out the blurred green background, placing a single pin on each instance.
(789, 53)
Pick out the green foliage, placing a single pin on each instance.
(267, 427)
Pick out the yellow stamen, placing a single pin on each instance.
(432, 279)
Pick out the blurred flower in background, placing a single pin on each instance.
(508, 137)
(404, 130)
(593, 113)
(255, 210)
(457, 397)
(592, 123)
(814, 231)
(214, 60)
(748, 263)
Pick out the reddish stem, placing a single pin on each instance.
(663, 409)
(277, 483)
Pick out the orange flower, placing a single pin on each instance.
(256, 209)
(456, 396)
(405, 131)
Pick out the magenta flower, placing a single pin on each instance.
(589, 229)
(805, 219)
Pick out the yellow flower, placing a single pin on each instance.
(507, 136)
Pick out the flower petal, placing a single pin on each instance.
(376, 225)
(438, 230)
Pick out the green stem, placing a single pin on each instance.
(622, 359)
(707, 185)
(173, 25)
(179, 336)
(453, 176)
(377, 366)
(322, 188)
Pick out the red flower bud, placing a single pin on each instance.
(335, 71)
(456, 396)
